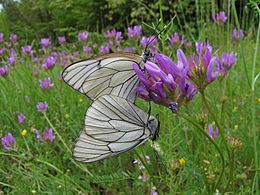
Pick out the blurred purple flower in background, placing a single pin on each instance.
(134, 31)
(115, 35)
(48, 135)
(8, 142)
(27, 98)
(213, 134)
(83, 36)
(2, 50)
(42, 106)
(13, 38)
(62, 40)
(38, 135)
(86, 49)
(148, 40)
(1, 37)
(27, 50)
(129, 50)
(49, 63)
(11, 60)
(237, 34)
(174, 39)
(46, 83)
(4, 71)
(21, 118)
(45, 42)
(220, 17)
(104, 49)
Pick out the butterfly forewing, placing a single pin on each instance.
(108, 74)
(112, 125)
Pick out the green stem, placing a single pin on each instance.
(222, 134)
(201, 130)
(56, 132)
(66, 146)
(143, 162)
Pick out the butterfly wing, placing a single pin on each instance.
(108, 74)
(112, 126)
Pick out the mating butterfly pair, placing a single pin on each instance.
(113, 123)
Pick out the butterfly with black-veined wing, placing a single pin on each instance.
(107, 74)
(113, 125)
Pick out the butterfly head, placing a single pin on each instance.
(154, 126)
(146, 55)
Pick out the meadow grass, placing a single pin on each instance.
(188, 162)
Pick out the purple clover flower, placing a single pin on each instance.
(175, 39)
(46, 83)
(104, 49)
(86, 49)
(164, 82)
(129, 50)
(4, 71)
(62, 40)
(48, 135)
(134, 31)
(45, 42)
(42, 106)
(114, 34)
(148, 40)
(8, 142)
(21, 118)
(237, 35)
(83, 36)
(11, 60)
(27, 50)
(220, 17)
(211, 132)
(38, 135)
(13, 38)
(1, 37)
(2, 50)
(49, 63)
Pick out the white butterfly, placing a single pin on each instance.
(107, 74)
(113, 125)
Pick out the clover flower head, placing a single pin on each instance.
(48, 135)
(83, 36)
(220, 17)
(174, 39)
(45, 42)
(8, 142)
(46, 83)
(4, 71)
(49, 63)
(62, 40)
(42, 106)
(134, 31)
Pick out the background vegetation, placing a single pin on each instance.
(188, 163)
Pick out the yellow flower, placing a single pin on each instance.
(67, 116)
(182, 161)
(258, 100)
(24, 132)
(80, 100)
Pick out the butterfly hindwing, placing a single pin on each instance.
(112, 125)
